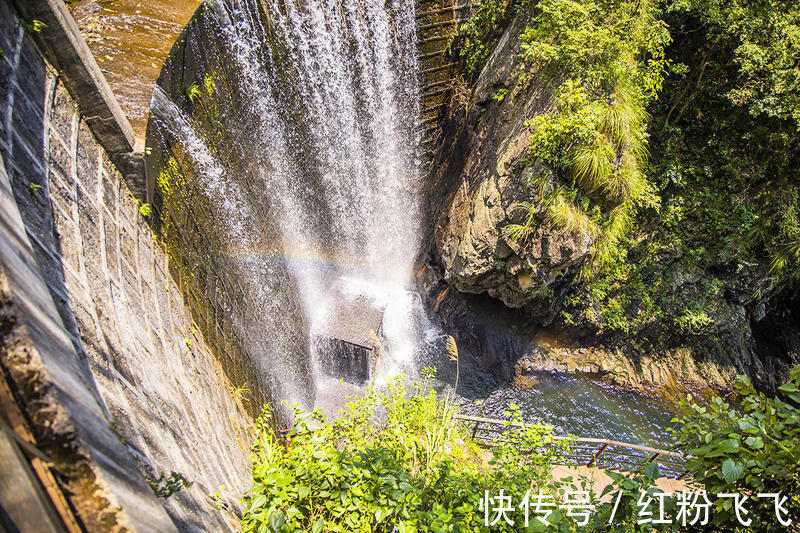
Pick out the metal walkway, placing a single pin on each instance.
(580, 451)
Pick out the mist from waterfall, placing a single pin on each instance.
(306, 148)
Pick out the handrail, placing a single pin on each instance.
(606, 450)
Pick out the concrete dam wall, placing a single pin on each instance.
(111, 373)
(129, 382)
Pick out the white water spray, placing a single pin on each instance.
(323, 99)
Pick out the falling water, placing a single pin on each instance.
(305, 144)
(296, 120)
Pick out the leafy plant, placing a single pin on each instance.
(693, 321)
(380, 467)
(409, 469)
(219, 499)
(35, 188)
(193, 93)
(34, 25)
(145, 210)
(751, 447)
(240, 394)
(500, 95)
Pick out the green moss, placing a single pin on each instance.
(478, 36)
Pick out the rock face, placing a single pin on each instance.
(479, 176)
(480, 169)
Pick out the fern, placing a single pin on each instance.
(193, 93)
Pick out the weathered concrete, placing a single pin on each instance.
(131, 40)
(65, 49)
(105, 358)
(437, 22)
(349, 337)
(37, 352)
(68, 53)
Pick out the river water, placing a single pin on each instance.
(583, 406)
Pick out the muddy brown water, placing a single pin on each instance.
(130, 40)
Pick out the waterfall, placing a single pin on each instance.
(303, 138)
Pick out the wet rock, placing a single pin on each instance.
(479, 176)
(525, 382)
(480, 180)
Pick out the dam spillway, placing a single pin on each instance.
(296, 130)
(179, 316)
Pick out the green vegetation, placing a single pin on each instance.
(478, 36)
(607, 59)
(726, 132)
(33, 26)
(164, 486)
(394, 458)
(725, 166)
(673, 144)
(194, 93)
(415, 469)
(240, 394)
(748, 449)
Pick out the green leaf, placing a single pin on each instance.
(258, 502)
(694, 464)
(788, 387)
(732, 470)
(276, 520)
(318, 525)
(754, 442)
(535, 526)
(728, 446)
(652, 471)
(746, 426)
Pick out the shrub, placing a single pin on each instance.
(392, 459)
(748, 448)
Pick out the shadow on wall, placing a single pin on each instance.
(160, 388)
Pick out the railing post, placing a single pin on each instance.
(594, 459)
(654, 457)
(475, 429)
